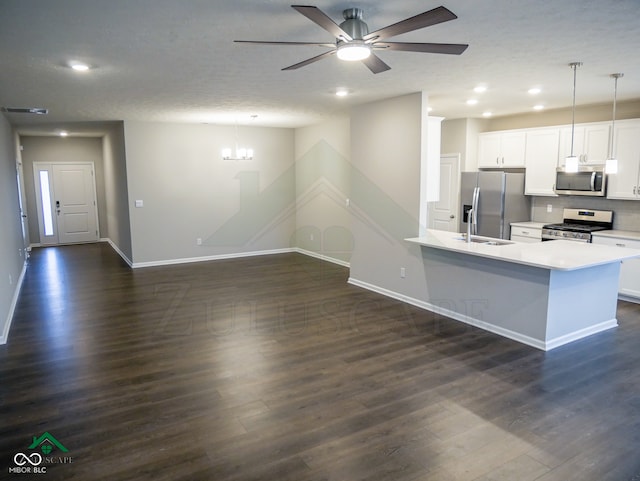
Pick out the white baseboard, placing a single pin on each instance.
(625, 297)
(118, 251)
(322, 257)
(187, 260)
(530, 341)
(14, 301)
(574, 336)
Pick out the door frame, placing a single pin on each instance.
(37, 166)
(454, 193)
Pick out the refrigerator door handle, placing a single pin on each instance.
(474, 205)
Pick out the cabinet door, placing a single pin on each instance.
(624, 184)
(596, 143)
(541, 160)
(565, 143)
(590, 144)
(630, 268)
(526, 240)
(489, 154)
(512, 146)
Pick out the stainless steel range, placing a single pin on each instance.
(578, 225)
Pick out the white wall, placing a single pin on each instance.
(116, 196)
(12, 258)
(189, 192)
(461, 136)
(323, 175)
(385, 192)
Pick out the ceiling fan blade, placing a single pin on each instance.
(375, 64)
(447, 48)
(310, 60)
(261, 42)
(318, 17)
(425, 19)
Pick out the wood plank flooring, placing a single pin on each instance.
(274, 368)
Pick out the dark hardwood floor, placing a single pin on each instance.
(274, 368)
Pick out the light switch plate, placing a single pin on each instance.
(139, 203)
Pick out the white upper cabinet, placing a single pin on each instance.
(541, 160)
(501, 149)
(590, 144)
(626, 183)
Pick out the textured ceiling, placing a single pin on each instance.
(175, 60)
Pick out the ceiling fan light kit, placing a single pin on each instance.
(354, 42)
(353, 51)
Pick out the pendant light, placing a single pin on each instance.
(611, 166)
(571, 162)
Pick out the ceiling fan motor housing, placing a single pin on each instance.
(353, 23)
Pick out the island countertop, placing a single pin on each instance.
(556, 255)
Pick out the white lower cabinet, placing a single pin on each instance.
(630, 268)
(526, 233)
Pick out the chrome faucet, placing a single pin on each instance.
(469, 221)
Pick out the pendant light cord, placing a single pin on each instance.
(575, 66)
(615, 76)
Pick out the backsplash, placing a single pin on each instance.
(626, 213)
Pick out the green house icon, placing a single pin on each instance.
(47, 442)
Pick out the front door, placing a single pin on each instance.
(66, 198)
(443, 213)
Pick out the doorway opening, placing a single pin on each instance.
(66, 202)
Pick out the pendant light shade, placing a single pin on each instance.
(611, 166)
(571, 162)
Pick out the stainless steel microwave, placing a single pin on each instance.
(589, 180)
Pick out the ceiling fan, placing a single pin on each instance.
(355, 42)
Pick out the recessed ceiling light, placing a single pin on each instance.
(472, 101)
(342, 92)
(480, 89)
(534, 91)
(64, 133)
(538, 107)
(429, 109)
(79, 66)
(487, 114)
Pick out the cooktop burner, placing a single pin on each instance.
(576, 227)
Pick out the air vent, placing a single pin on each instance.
(33, 110)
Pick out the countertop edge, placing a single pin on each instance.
(621, 234)
(516, 253)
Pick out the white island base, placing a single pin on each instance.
(531, 293)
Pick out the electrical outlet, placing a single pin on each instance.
(310, 236)
(549, 207)
(347, 202)
(10, 280)
(199, 241)
(403, 272)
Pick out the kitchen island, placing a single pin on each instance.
(544, 294)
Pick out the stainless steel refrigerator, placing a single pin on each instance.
(497, 200)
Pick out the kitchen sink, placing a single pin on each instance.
(484, 240)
